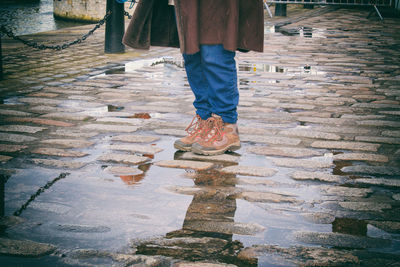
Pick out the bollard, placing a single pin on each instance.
(115, 27)
(280, 10)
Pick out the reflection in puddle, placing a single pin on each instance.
(260, 67)
(306, 32)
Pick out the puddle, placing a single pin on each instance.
(306, 32)
(259, 67)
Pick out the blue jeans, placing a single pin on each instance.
(212, 77)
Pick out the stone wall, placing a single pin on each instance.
(82, 10)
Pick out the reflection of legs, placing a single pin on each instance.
(198, 84)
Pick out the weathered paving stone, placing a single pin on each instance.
(249, 170)
(9, 112)
(185, 164)
(310, 133)
(361, 157)
(379, 123)
(218, 158)
(123, 170)
(224, 227)
(21, 128)
(343, 130)
(40, 100)
(41, 121)
(66, 116)
(304, 163)
(4, 158)
(59, 152)
(59, 163)
(267, 197)
(109, 128)
(365, 206)
(69, 143)
(341, 240)
(384, 170)
(143, 149)
(378, 139)
(16, 138)
(11, 148)
(320, 176)
(391, 133)
(129, 121)
(300, 256)
(388, 226)
(334, 121)
(276, 140)
(73, 133)
(284, 151)
(135, 138)
(24, 248)
(346, 145)
(345, 191)
(123, 158)
(379, 181)
(173, 132)
(201, 264)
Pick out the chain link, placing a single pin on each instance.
(55, 47)
(39, 191)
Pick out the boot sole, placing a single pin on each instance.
(233, 147)
(182, 148)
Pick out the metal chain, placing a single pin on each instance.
(127, 14)
(55, 47)
(38, 192)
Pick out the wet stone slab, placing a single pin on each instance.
(123, 158)
(173, 132)
(224, 227)
(82, 228)
(21, 128)
(109, 128)
(284, 151)
(361, 157)
(346, 145)
(363, 169)
(58, 152)
(11, 148)
(4, 158)
(41, 121)
(69, 143)
(388, 226)
(66, 116)
(185, 164)
(24, 248)
(142, 149)
(275, 140)
(135, 138)
(16, 138)
(345, 191)
(378, 139)
(10, 112)
(365, 206)
(341, 240)
(380, 181)
(267, 197)
(73, 133)
(59, 163)
(320, 176)
(218, 158)
(304, 163)
(310, 133)
(123, 170)
(249, 170)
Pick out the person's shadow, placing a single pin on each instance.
(207, 230)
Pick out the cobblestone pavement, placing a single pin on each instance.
(91, 176)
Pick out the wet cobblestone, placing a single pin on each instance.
(314, 184)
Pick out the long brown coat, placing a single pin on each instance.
(237, 24)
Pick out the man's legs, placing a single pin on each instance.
(219, 68)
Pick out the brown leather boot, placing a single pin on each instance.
(194, 131)
(218, 137)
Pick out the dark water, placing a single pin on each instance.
(28, 18)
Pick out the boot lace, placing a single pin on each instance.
(195, 126)
(213, 130)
